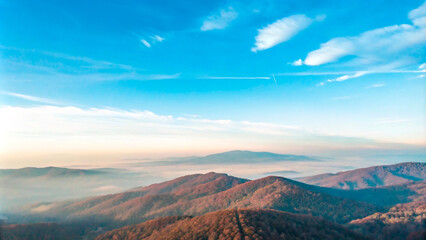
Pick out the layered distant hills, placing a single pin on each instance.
(199, 194)
(371, 177)
(238, 224)
(203, 205)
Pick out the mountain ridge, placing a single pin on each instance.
(192, 197)
(375, 176)
(235, 224)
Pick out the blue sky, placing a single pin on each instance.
(324, 71)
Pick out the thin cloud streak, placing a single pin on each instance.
(157, 38)
(31, 98)
(346, 72)
(379, 85)
(236, 78)
(41, 72)
(344, 78)
(146, 43)
(346, 75)
(95, 64)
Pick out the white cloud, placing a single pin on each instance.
(150, 40)
(330, 51)
(155, 77)
(417, 13)
(30, 98)
(344, 77)
(380, 69)
(378, 85)
(157, 38)
(377, 45)
(280, 31)
(297, 62)
(146, 43)
(219, 21)
(422, 66)
(236, 78)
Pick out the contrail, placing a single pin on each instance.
(274, 79)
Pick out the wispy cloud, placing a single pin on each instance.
(369, 71)
(146, 43)
(220, 20)
(236, 78)
(85, 62)
(422, 68)
(146, 77)
(377, 45)
(344, 78)
(31, 98)
(346, 75)
(157, 38)
(50, 74)
(309, 73)
(281, 30)
(125, 76)
(377, 85)
(71, 68)
(150, 40)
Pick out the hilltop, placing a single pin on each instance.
(235, 224)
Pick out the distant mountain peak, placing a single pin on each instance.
(245, 156)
